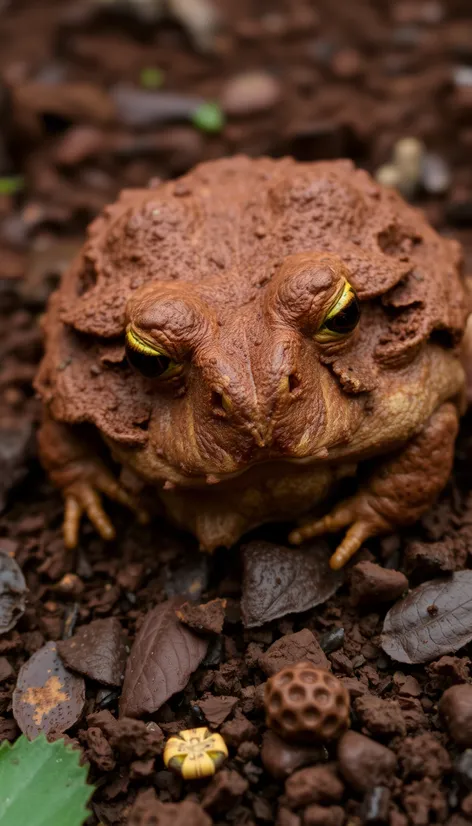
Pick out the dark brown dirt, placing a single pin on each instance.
(345, 79)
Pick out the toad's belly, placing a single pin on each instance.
(220, 514)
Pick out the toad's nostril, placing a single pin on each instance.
(220, 404)
(293, 383)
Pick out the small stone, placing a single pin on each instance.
(315, 784)
(147, 810)
(382, 717)
(462, 76)
(71, 585)
(238, 730)
(250, 93)
(207, 618)
(316, 815)
(281, 759)
(224, 791)
(195, 753)
(332, 640)
(372, 584)
(424, 756)
(463, 768)
(455, 706)
(375, 806)
(217, 709)
(388, 175)
(363, 762)
(287, 818)
(291, 649)
(435, 174)
(306, 703)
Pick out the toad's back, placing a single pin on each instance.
(228, 224)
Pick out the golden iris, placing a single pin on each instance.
(342, 318)
(145, 358)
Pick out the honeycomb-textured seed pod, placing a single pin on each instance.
(306, 703)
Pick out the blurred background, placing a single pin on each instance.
(97, 95)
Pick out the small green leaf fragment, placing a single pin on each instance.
(209, 117)
(10, 185)
(152, 77)
(42, 784)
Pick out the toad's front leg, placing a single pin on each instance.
(82, 478)
(397, 493)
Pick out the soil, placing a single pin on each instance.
(333, 79)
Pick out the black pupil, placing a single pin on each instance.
(150, 366)
(346, 320)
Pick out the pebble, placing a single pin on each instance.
(281, 759)
(141, 108)
(382, 717)
(462, 76)
(224, 791)
(435, 174)
(375, 806)
(424, 756)
(463, 768)
(388, 175)
(455, 706)
(332, 640)
(371, 584)
(316, 815)
(315, 784)
(250, 93)
(364, 762)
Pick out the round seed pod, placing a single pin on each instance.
(195, 753)
(307, 704)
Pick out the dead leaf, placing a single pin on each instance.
(279, 580)
(434, 619)
(48, 698)
(98, 650)
(164, 655)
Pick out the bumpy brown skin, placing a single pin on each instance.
(231, 270)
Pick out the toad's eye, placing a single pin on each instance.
(146, 359)
(342, 318)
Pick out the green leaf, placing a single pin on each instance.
(152, 77)
(208, 117)
(42, 784)
(12, 184)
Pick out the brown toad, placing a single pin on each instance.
(243, 338)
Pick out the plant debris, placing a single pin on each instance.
(279, 581)
(46, 783)
(164, 655)
(48, 698)
(434, 619)
(98, 650)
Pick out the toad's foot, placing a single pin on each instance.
(397, 493)
(82, 478)
(84, 496)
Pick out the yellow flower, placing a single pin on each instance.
(195, 753)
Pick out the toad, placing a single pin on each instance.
(244, 340)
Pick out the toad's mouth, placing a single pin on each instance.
(173, 478)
